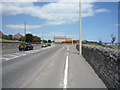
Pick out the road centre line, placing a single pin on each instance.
(67, 48)
(66, 70)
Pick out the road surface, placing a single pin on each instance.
(57, 66)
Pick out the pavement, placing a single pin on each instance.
(57, 66)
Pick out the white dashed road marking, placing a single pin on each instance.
(15, 55)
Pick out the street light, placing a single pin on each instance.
(25, 30)
(42, 36)
(80, 36)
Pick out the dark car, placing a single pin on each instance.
(44, 45)
(77, 47)
(25, 46)
(49, 44)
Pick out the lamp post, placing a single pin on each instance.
(42, 36)
(72, 41)
(80, 36)
(25, 30)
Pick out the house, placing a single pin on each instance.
(17, 36)
(68, 39)
(59, 39)
(1, 33)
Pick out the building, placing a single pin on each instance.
(1, 33)
(59, 39)
(17, 36)
(68, 39)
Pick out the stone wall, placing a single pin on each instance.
(13, 45)
(105, 62)
(10, 45)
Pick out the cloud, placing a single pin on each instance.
(59, 0)
(102, 10)
(20, 0)
(13, 26)
(53, 13)
(116, 25)
(52, 34)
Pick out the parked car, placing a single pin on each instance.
(77, 47)
(44, 45)
(49, 44)
(25, 46)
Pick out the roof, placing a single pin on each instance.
(1, 33)
(59, 37)
(68, 39)
(18, 34)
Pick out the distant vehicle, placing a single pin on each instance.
(25, 46)
(44, 45)
(77, 47)
(49, 44)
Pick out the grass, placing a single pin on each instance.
(98, 44)
(107, 46)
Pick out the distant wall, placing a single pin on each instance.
(13, 45)
(9, 45)
(105, 62)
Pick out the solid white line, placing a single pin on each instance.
(66, 73)
(66, 70)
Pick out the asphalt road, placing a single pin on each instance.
(58, 66)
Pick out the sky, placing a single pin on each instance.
(99, 19)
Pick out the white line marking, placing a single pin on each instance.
(66, 73)
(4, 58)
(66, 70)
(9, 55)
(15, 55)
(67, 48)
(10, 59)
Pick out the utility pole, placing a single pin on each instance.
(80, 36)
(72, 41)
(42, 37)
(25, 29)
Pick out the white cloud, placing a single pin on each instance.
(20, 0)
(52, 34)
(102, 10)
(19, 27)
(58, 0)
(54, 13)
(116, 25)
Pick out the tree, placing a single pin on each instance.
(49, 41)
(36, 39)
(113, 38)
(29, 38)
(4, 36)
(44, 41)
(16, 39)
(9, 37)
(22, 39)
(0, 36)
(100, 41)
